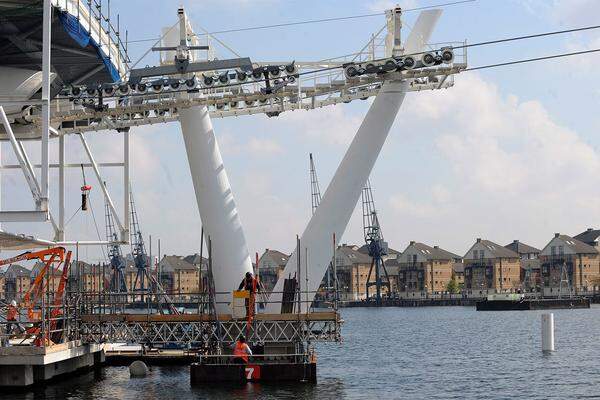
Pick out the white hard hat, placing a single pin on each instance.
(13, 303)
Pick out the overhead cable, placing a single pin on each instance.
(315, 21)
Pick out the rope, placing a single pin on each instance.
(314, 21)
(527, 60)
(96, 226)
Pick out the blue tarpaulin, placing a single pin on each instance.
(78, 33)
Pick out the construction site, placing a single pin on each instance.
(66, 72)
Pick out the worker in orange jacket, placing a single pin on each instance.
(250, 283)
(241, 351)
(11, 318)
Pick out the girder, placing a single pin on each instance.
(301, 330)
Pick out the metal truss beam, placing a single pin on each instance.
(202, 332)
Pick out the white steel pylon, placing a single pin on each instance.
(339, 200)
(218, 212)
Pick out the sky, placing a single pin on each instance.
(507, 153)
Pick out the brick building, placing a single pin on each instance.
(270, 266)
(530, 265)
(491, 268)
(424, 270)
(568, 264)
(17, 281)
(180, 278)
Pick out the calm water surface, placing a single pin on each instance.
(393, 353)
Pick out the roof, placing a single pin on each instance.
(435, 252)
(276, 256)
(353, 254)
(576, 245)
(458, 268)
(365, 250)
(589, 236)
(176, 263)
(194, 259)
(496, 250)
(17, 270)
(522, 248)
(38, 267)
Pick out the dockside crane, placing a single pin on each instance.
(144, 282)
(138, 252)
(376, 245)
(117, 283)
(315, 196)
(315, 190)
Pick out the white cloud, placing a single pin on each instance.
(512, 171)
(264, 146)
(331, 125)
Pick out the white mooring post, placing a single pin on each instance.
(547, 332)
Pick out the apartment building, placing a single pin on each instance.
(424, 271)
(491, 268)
(568, 265)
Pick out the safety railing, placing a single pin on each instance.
(263, 359)
(190, 302)
(40, 325)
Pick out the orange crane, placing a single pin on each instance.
(48, 257)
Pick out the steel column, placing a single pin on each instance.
(126, 189)
(216, 204)
(61, 189)
(46, 60)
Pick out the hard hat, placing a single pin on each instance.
(13, 303)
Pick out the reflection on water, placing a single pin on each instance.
(418, 353)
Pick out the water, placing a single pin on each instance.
(392, 353)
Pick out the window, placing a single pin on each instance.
(553, 250)
(475, 253)
(561, 250)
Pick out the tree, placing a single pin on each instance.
(452, 286)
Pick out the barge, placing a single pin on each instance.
(517, 302)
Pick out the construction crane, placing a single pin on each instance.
(315, 191)
(55, 255)
(117, 283)
(376, 246)
(138, 251)
(315, 196)
(144, 282)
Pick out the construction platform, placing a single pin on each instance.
(22, 366)
(259, 371)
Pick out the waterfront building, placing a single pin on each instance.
(352, 273)
(180, 278)
(53, 275)
(590, 236)
(17, 281)
(567, 265)
(270, 266)
(530, 265)
(491, 268)
(424, 271)
(458, 269)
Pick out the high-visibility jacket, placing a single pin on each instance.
(11, 314)
(241, 350)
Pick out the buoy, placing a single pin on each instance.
(547, 332)
(138, 369)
